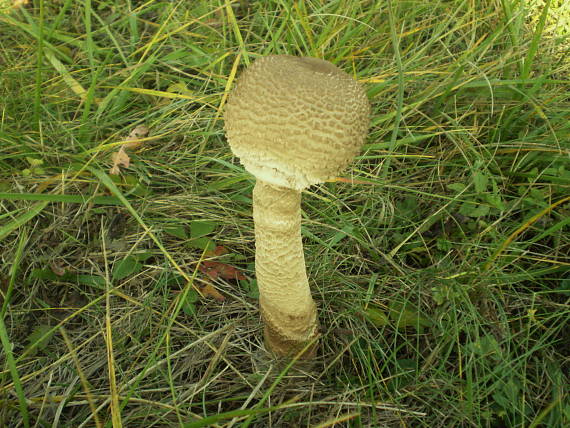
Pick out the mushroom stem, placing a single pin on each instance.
(287, 308)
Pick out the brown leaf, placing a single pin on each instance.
(230, 272)
(222, 270)
(134, 137)
(220, 250)
(215, 269)
(208, 290)
(119, 158)
(208, 269)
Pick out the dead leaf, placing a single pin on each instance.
(220, 270)
(220, 250)
(134, 137)
(215, 269)
(133, 141)
(209, 269)
(208, 290)
(119, 158)
(230, 272)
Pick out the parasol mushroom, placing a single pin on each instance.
(293, 122)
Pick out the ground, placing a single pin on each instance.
(439, 260)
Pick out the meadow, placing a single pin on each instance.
(439, 260)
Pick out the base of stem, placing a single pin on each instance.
(282, 344)
(290, 349)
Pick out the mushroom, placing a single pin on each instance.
(293, 122)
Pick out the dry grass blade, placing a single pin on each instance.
(522, 228)
(337, 420)
(439, 260)
(83, 378)
(113, 389)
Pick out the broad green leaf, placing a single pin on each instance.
(406, 364)
(479, 211)
(48, 275)
(376, 316)
(407, 315)
(472, 210)
(177, 231)
(201, 228)
(457, 187)
(339, 236)
(126, 267)
(34, 162)
(171, 280)
(192, 296)
(144, 256)
(189, 306)
(439, 295)
(251, 287)
(43, 274)
(202, 244)
(486, 346)
(480, 180)
(36, 338)
(495, 200)
(92, 280)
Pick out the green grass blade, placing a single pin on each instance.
(106, 180)
(534, 45)
(39, 61)
(71, 199)
(11, 362)
(209, 420)
(400, 97)
(277, 380)
(14, 270)
(21, 220)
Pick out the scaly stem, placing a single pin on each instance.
(287, 307)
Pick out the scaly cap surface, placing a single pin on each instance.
(296, 121)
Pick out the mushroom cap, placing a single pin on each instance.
(296, 121)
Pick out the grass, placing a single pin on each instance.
(442, 272)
